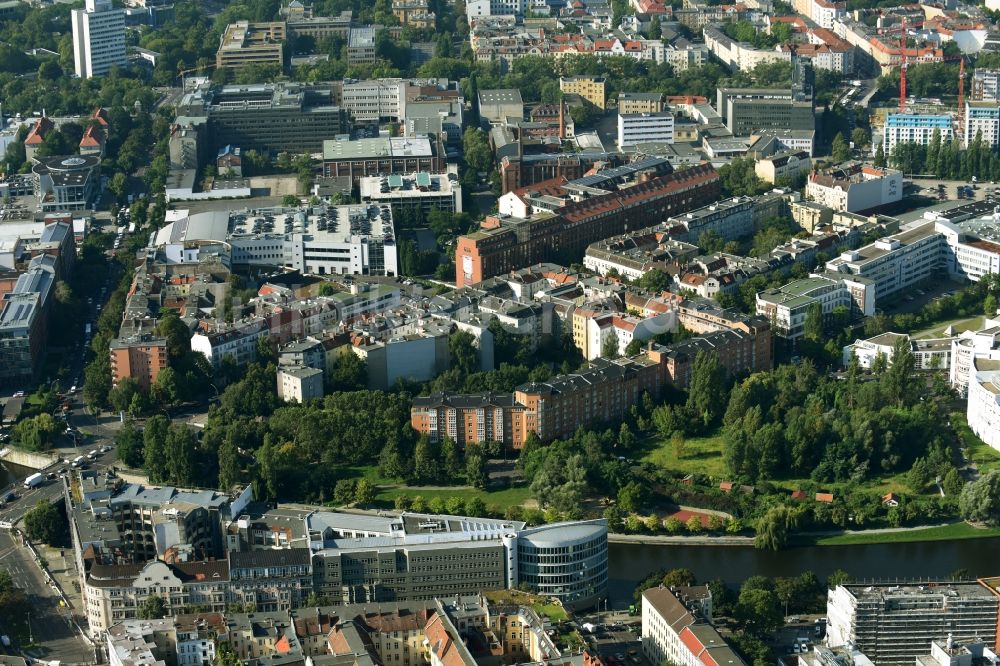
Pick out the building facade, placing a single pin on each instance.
(98, 39)
(246, 43)
(591, 88)
(140, 357)
(915, 128)
(645, 128)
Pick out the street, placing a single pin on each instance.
(50, 624)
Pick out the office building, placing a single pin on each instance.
(496, 106)
(568, 226)
(98, 39)
(982, 119)
(299, 384)
(915, 128)
(928, 354)
(140, 357)
(65, 183)
(985, 85)
(361, 48)
(746, 111)
(895, 624)
(787, 307)
(421, 192)
(854, 187)
(389, 99)
(384, 155)
(245, 43)
(645, 128)
(267, 117)
(590, 88)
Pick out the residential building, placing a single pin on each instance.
(361, 48)
(982, 119)
(676, 629)
(36, 136)
(985, 85)
(983, 410)
(503, 244)
(267, 117)
(645, 128)
(896, 623)
(915, 128)
(633, 255)
(65, 183)
(413, 13)
(787, 307)
(787, 166)
(741, 56)
(416, 192)
(631, 103)
(590, 88)
(246, 43)
(150, 642)
(747, 111)
(377, 157)
(929, 354)
(24, 327)
(269, 580)
(394, 99)
(855, 187)
(98, 38)
(297, 383)
(479, 8)
(140, 357)
(822, 12)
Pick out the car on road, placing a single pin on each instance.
(105, 449)
(72, 389)
(92, 455)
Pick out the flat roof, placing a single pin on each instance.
(380, 147)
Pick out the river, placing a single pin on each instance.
(630, 563)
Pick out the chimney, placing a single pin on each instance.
(562, 124)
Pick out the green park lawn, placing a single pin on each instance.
(984, 456)
(700, 455)
(390, 489)
(942, 533)
(963, 324)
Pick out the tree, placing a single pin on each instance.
(920, 475)
(707, 395)
(37, 433)
(46, 523)
(117, 185)
(655, 30)
(364, 492)
(952, 483)
(774, 527)
(879, 157)
(979, 500)
(813, 327)
(475, 470)
(990, 305)
(679, 578)
(632, 496)
(128, 442)
(677, 444)
(464, 355)
(120, 396)
(289, 200)
(343, 491)
(182, 454)
(451, 458)
(153, 607)
(156, 461)
(693, 525)
(759, 610)
(859, 137)
(229, 464)
(609, 348)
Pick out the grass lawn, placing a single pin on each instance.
(701, 455)
(986, 457)
(539, 604)
(945, 533)
(973, 324)
(895, 483)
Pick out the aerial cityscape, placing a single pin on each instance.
(499, 333)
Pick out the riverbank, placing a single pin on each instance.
(681, 540)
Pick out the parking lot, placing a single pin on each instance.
(617, 643)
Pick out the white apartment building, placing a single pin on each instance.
(478, 8)
(638, 128)
(679, 635)
(983, 411)
(969, 345)
(98, 38)
(625, 328)
(787, 307)
(299, 384)
(985, 85)
(238, 341)
(855, 188)
(934, 354)
(788, 164)
(982, 118)
(741, 56)
(915, 128)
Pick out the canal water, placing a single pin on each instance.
(630, 563)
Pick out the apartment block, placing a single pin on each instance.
(504, 244)
(915, 128)
(787, 165)
(928, 354)
(629, 103)
(591, 88)
(245, 43)
(634, 255)
(741, 56)
(299, 384)
(787, 307)
(676, 628)
(982, 119)
(985, 85)
(895, 624)
(139, 357)
(98, 38)
(854, 187)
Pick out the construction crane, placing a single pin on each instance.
(902, 68)
(181, 73)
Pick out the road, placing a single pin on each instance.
(50, 624)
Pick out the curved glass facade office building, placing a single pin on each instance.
(568, 561)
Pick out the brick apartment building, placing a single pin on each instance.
(140, 357)
(568, 230)
(603, 392)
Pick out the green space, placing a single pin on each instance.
(960, 325)
(960, 530)
(699, 455)
(984, 456)
(501, 499)
(541, 605)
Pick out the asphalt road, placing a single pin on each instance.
(51, 625)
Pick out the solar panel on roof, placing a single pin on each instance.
(423, 179)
